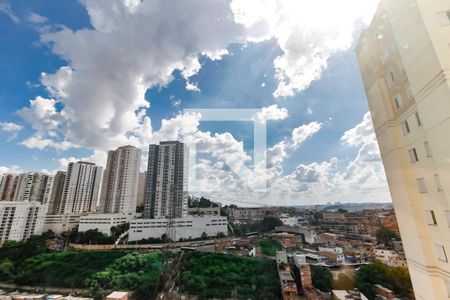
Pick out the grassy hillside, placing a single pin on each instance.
(215, 275)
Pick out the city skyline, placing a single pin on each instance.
(320, 139)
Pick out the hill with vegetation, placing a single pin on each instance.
(216, 275)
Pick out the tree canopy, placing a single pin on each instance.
(215, 275)
(321, 278)
(200, 202)
(384, 235)
(395, 278)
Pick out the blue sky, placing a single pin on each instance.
(102, 77)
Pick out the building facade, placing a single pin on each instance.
(8, 186)
(20, 220)
(81, 188)
(166, 192)
(404, 58)
(102, 222)
(189, 227)
(54, 203)
(32, 186)
(61, 223)
(121, 179)
(252, 213)
(141, 188)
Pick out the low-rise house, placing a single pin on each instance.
(252, 213)
(383, 292)
(390, 257)
(335, 255)
(204, 211)
(348, 295)
(117, 296)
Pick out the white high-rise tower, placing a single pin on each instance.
(121, 180)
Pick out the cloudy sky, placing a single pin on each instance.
(81, 77)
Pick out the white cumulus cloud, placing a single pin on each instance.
(272, 113)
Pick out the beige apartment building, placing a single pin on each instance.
(404, 57)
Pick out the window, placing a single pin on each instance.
(438, 182)
(409, 91)
(398, 102)
(421, 185)
(440, 253)
(413, 155)
(431, 217)
(405, 127)
(391, 77)
(419, 122)
(444, 18)
(428, 149)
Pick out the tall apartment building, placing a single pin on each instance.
(121, 180)
(8, 186)
(166, 191)
(54, 202)
(20, 220)
(81, 188)
(141, 188)
(32, 186)
(404, 56)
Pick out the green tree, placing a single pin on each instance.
(321, 278)
(6, 270)
(269, 223)
(384, 235)
(269, 247)
(215, 275)
(394, 278)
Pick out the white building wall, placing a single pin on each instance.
(187, 227)
(102, 222)
(404, 54)
(20, 220)
(167, 180)
(81, 187)
(289, 221)
(121, 181)
(8, 186)
(60, 223)
(33, 186)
